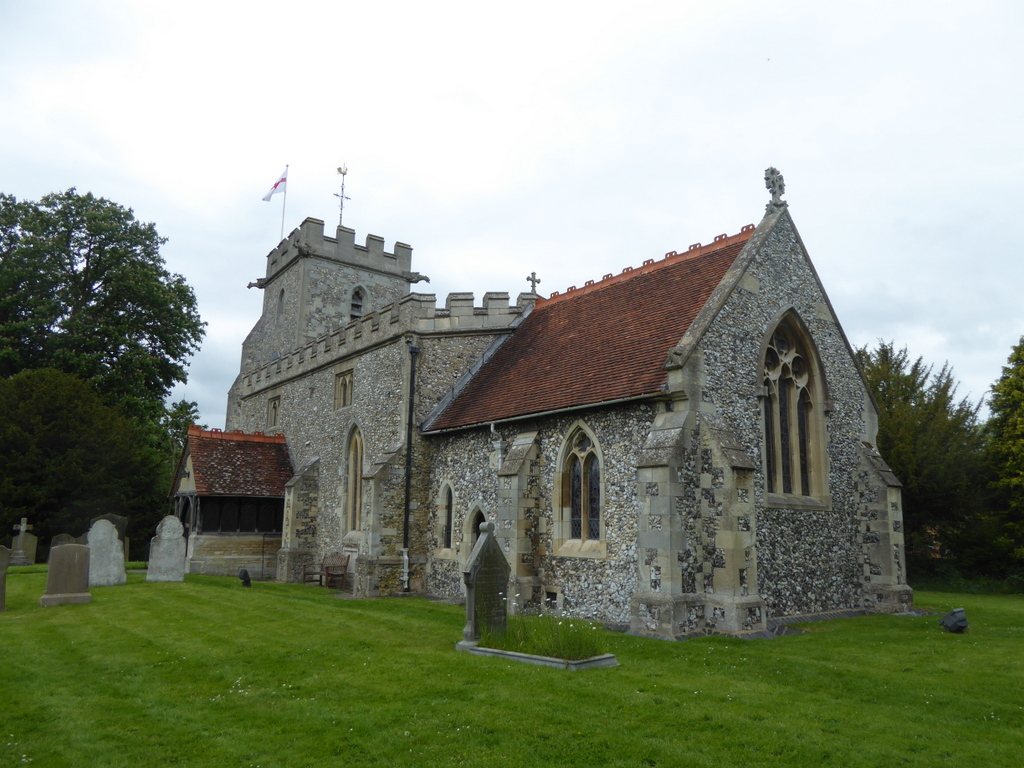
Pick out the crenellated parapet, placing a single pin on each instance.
(308, 240)
(416, 312)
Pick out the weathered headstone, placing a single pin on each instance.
(5, 559)
(167, 552)
(106, 555)
(486, 578)
(121, 523)
(67, 580)
(23, 548)
(61, 539)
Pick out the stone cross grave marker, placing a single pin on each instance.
(106, 555)
(486, 578)
(23, 548)
(167, 552)
(5, 559)
(67, 580)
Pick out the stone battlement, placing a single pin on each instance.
(308, 240)
(415, 312)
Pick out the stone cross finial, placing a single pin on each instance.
(775, 184)
(533, 280)
(23, 527)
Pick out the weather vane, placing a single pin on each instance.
(343, 172)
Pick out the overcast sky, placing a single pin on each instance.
(568, 138)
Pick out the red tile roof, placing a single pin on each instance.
(605, 341)
(238, 464)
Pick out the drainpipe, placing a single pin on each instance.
(413, 353)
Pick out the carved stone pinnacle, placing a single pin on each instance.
(775, 184)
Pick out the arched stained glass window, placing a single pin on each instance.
(583, 488)
(792, 429)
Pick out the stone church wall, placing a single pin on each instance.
(599, 587)
(808, 560)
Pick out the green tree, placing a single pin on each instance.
(83, 289)
(67, 457)
(936, 447)
(1007, 429)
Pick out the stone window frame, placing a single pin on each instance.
(471, 531)
(565, 544)
(274, 412)
(279, 311)
(343, 384)
(445, 504)
(352, 489)
(806, 405)
(358, 303)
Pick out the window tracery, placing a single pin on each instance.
(792, 417)
(582, 489)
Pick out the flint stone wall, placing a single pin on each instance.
(597, 587)
(808, 561)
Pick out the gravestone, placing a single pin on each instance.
(486, 577)
(67, 580)
(167, 552)
(121, 523)
(23, 548)
(5, 559)
(61, 539)
(106, 555)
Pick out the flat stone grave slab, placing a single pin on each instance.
(67, 580)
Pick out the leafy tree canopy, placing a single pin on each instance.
(933, 442)
(1007, 430)
(83, 289)
(67, 457)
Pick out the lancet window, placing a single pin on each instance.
(354, 490)
(446, 531)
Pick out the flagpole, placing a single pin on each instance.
(284, 201)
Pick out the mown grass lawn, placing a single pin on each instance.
(207, 673)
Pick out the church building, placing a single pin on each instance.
(686, 446)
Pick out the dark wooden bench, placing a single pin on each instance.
(330, 573)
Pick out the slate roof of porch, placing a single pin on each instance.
(603, 342)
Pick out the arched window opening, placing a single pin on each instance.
(583, 489)
(356, 307)
(446, 534)
(791, 429)
(280, 305)
(478, 520)
(354, 496)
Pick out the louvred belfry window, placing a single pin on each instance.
(791, 429)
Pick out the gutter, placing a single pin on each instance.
(542, 414)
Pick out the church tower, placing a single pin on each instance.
(315, 284)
